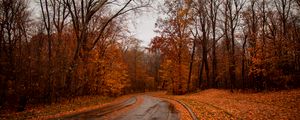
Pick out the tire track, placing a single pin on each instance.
(192, 114)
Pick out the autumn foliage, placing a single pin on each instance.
(228, 44)
(70, 48)
(63, 49)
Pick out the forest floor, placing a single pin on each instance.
(222, 104)
(61, 108)
(206, 104)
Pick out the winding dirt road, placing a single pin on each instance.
(151, 108)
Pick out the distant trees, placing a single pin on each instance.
(173, 44)
(81, 47)
(14, 47)
(239, 44)
(232, 16)
(202, 25)
(140, 66)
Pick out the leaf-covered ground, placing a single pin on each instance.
(222, 104)
(207, 104)
(65, 107)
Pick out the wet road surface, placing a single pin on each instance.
(151, 108)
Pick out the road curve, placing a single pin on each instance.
(192, 114)
(151, 108)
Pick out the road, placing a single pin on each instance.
(151, 108)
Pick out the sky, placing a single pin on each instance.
(142, 25)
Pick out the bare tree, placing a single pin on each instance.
(48, 26)
(54, 15)
(214, 7)
(13, 19)
(232, 15)
(81, 13)
(202, 24)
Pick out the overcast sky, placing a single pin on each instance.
(144, 24)
(142, 27)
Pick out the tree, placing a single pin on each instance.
(173, 45)
(48, 27)
(202, 24)
(82, 13)
(232, 15)
(14, 19)
(214, 7)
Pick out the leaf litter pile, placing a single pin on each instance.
(222, 104)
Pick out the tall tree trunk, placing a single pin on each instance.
(200, 79)
(232, 62)
(207, 82)
(214, 63)
(214, 6)
(191, 66)
(47, 24)
(227, 41)
(243, 62)
(204, 48)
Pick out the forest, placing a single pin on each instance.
(70, 48)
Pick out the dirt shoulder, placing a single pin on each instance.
(222, 104)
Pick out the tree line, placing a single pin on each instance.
(54, 49)
(233, 44)
(70, 48)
